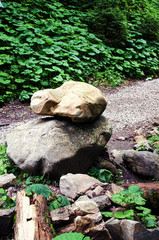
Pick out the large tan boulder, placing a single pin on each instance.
(77, 100)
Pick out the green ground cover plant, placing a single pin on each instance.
(133, 200)
(44, 43)
(6, 165)
(102, 175)
(5, 201)
(154, 140)
(71, 236)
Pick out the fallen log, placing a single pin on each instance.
(32, 219)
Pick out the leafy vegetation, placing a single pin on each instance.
(55, 202)
(134, 201)
(154, 140)
(39, 189)
(6, 165)
(143, 147)
(59, 201)
(44, 43)
(71, 236)
(102, 175)
(5, 201)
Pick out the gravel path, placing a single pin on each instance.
(126, 106)
(133, 104)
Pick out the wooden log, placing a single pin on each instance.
(43, 218)
(31, 218)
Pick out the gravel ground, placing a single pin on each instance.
(133, 104)
(126, 106)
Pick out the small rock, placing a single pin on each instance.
(105, 163)
(121, 138)
(62, 215)
(144, 163)
(96, 192)
(156, 121)
(156, 143)
(154, 132)
(74, 185)
(82, 216)
(98, 232)
(103, 202)
(6, 180)
(85, 206)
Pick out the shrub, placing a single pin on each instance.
(42, 45)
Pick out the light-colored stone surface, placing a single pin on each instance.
(57, 147)
(142, 162)
(130, 230)
(6, 179)
(74, 185)
(77, 100)
(86, 206)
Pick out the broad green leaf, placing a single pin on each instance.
(107, 214)
(54, 205)
(19, 80)
(105, 175)
(145, 210)
(135, 189)
(64, 201)
(4, 81)
(71, 236)
(39, 189)
(119, 215)
(120, 51)
(129, 214)
(139, 200)
(150, 221)
(4, 74)
(2, 191)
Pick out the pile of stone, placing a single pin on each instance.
(90, 196)
(70, 136)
